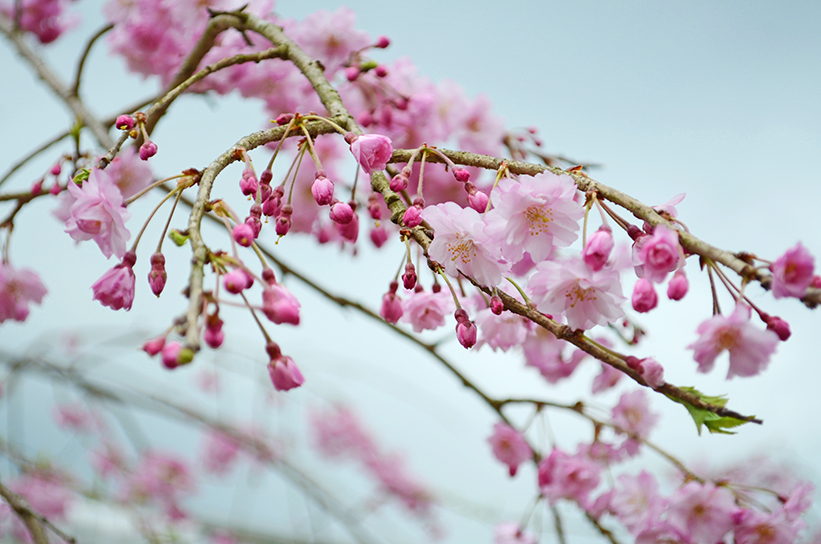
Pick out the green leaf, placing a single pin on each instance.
(715, 423)
(81, 176)
(178, 237)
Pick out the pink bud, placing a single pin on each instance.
(284, 118)
(466, 332)
(351, 73)
(678, 286)
(213, 334)
(644, 296)
(56, 169)
(148, 150)
(381, 71)
(779, 327)
(372, 151)
(266, 176)
(382, 42)
(496, 305)
(157, 275)
(284, 220)
(323, 190)
(409, 277)
(399, 182)
(283, 371)
(248, 183)
(153, 347)
(55, 189)
(279, 305)
(412, 217)
(391, 309)
(37, 187)
(341, 213)
(379, 235)
(652, 372)
(478, 201)
(364, 119)
(268, 276)
(236, 281)
(598, 249)
(244, 234)
(461, 174)
(171, 354)
(124, 122)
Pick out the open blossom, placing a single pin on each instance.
(749, 347)
(636, 501)
(502, 332)
(18, 288)
(633, 414)
(535, 215)
(568, 477)
(793, 272)
(426, 310)
(461, 245)
(543, 351)
(115, 288)
(219, 451)
(585, 297)
(509, 446)
(128, 173)
(160, 476)
(97, 213)
(656, 255)
(704, 512)
(372, 151)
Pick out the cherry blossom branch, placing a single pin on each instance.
(75, 89)
(34, 521)
(54, 83)
(638, 209)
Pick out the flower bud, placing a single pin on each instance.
(644, 296)
(381, 71)
(244, 234)
(284, 118)
(399, 182)
(778, 326)
(323, 190)
(154, 346)
(351, 73)
(148, 150)
(391, 309)
(496, 305)
(124, 122)
(382, 42)
(478, 201)
(341, 213)
(236, 281)
(157, 275)
(412, 217)
(213, 334)
(284, 220)
(248, 183)
(598, 248)
(409, 277)
(379, 235)
(678, 286)
(461, 175)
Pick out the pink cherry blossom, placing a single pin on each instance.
(97, 213)
(534, 215)
(754, 527)
(18, 288)
(636, 501)
(280, 305)
(219, 452)
(544, 351)
(74, 417)
(749, 348)
(564, 477)
(284, 373)
(644, 296)
(652, 372)
(658, 254)
(160, 476)
(129, 174)
(509, 446)
(426, 310)
(606, 379)
(502, 332)
(372, 151)
(793, 272)
(633, 414)
(461, 245)
(585, 297)
(704, 512)
(115, 288)
(45, 492)
(391, 309)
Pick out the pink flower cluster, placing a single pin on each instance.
(18, 288)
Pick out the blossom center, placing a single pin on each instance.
(538, 219)
(577, 294)
(727, 338)
(461, 249)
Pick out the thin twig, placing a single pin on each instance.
(34, 521)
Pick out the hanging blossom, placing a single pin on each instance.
(98, 213)
(655, 255)
(461, 244)
(749, 348)
(583, 296)
(534, 214)
(426, 310)
(793, 272)
(502, 332)
(18, 288)
(544, 351)
(509, 446)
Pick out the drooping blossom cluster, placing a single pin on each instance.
(19, 287)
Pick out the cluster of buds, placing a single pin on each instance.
(135, 126)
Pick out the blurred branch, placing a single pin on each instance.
(34, 522)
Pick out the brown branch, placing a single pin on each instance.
(641, 211)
